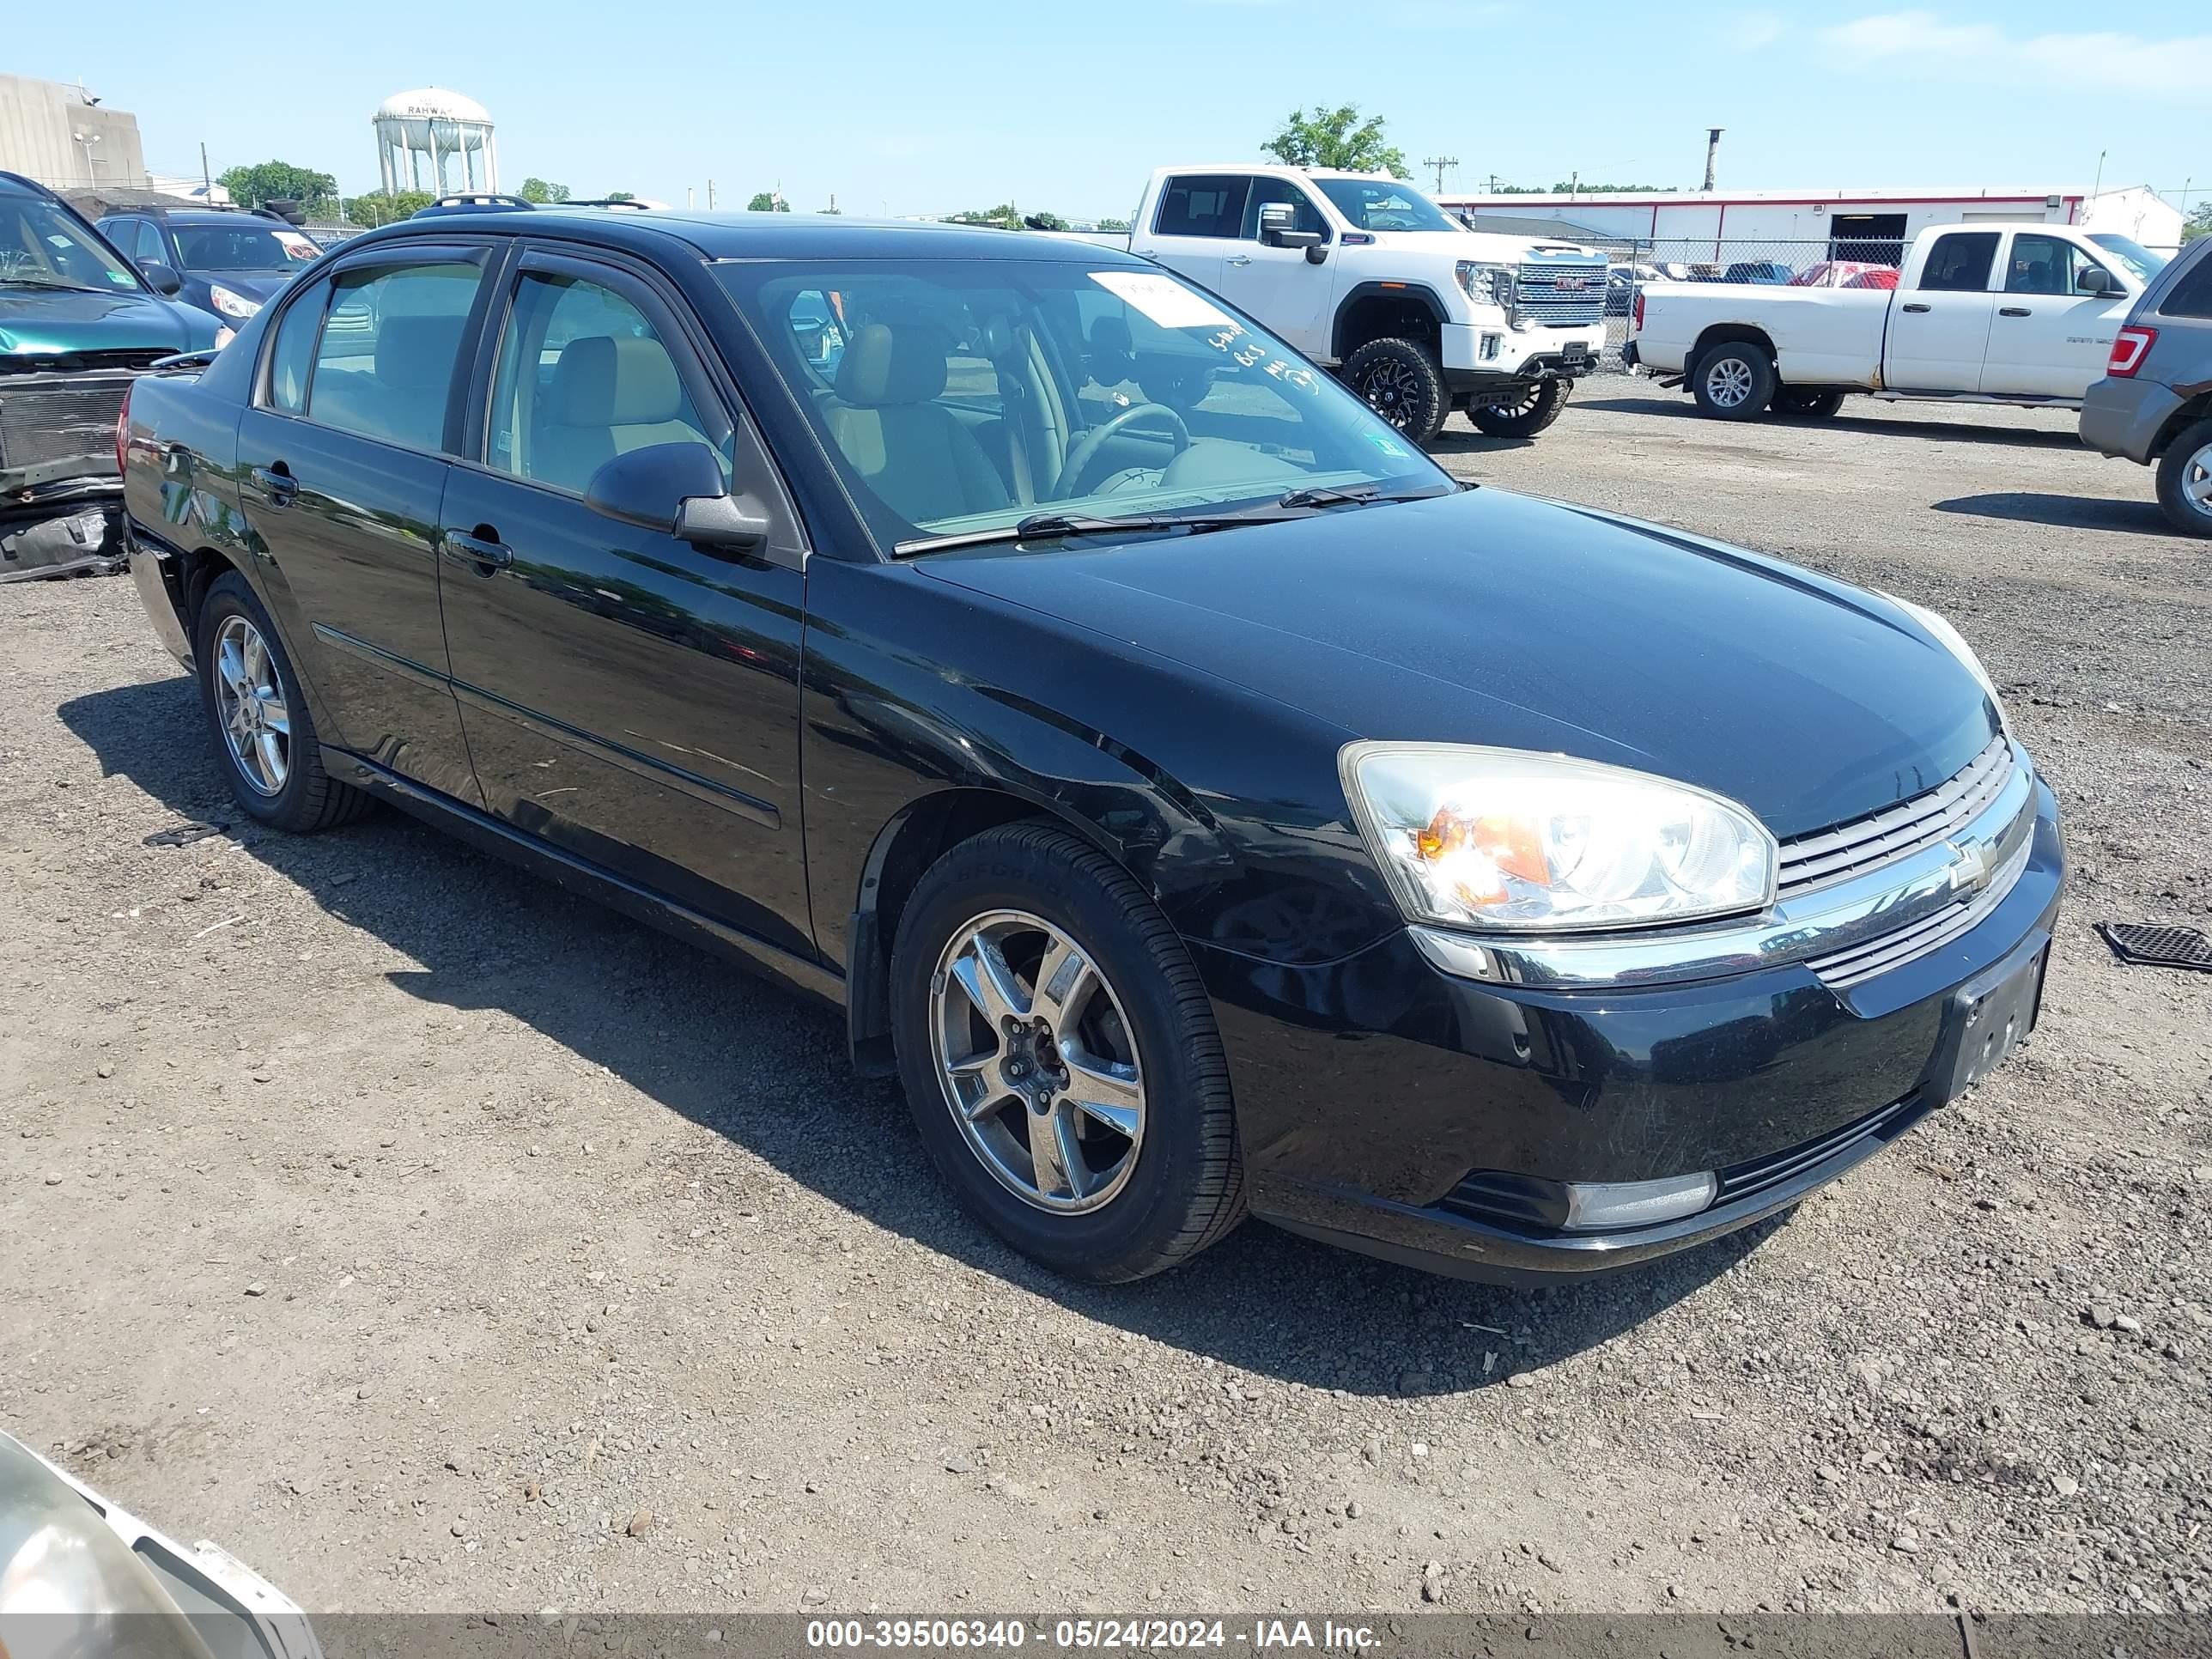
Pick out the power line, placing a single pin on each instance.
(1440, 162)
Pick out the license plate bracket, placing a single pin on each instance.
(1574, 353)
(1987, 1018)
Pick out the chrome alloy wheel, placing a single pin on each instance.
(1728, 383)
(2196, 480)
(1037, 1061)
(250, 696)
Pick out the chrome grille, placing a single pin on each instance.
(1845, 849)
(1560, 294)
(1855, 964)
(61, 420)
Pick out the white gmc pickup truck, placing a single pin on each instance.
(2020, 313)
(1369, 277)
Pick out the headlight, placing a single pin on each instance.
(224, 336)
(1955, 642)
(232, 304)
(1486, 284)
(1499, 839)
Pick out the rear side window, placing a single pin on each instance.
(1959, 262)
(384, 365)
(2192, 294)
(1203, 206)
(293, 354)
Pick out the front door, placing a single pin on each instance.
(1939, 328)
(1280, 286)
(628, 697)
(1197, 222)
(2050, 339)
(343, 460)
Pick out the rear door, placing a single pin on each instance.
(342, 456)
(1198, 222)
(1279, 285)
(2050, 339)
(629, 697)
(1939, 325)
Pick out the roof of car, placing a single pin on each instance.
(755, 235)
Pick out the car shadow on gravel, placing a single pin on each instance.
(2141, 517)
(1682, 408)
(766, 1069)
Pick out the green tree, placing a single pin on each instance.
(621, 195)
(378, 209)
(2198, 223)
(277, 181)
(1337, 138)
(1113, 224)
(768, 201)
(1044, 221)
(1005, 217)
(538, 190)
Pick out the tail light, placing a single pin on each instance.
(1640, 311)
(2130, 346)
(122, 434)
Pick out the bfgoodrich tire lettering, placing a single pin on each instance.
(1181, 1185)
(264, 732)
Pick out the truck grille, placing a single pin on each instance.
(1560, 294)
(61, 420)
(1861, 843)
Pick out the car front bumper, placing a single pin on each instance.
(2124, 417)
(1385, 1103)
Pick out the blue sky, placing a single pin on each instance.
(913, 108)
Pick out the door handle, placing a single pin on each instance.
(1238, 259)
(2014, 311)
(1916, 309)
(485, 554)
(277, 485)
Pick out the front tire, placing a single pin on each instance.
(1524, 413)
(263, 730)
(1734, 381)
(1402, 381)
(2184, 481)
(1060, 1059)
(1805, 404)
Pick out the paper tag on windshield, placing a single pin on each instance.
(1163, 299)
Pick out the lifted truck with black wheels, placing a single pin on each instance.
(1369, 277)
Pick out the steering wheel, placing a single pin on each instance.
(1087, 447)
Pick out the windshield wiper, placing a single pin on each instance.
(1329, 496)
(59, 287)
(1053, 526)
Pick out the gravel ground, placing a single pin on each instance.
(434, 1240)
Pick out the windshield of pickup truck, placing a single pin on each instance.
(41, 247)
(960, 397)
(2142, 264)
(1384, 205)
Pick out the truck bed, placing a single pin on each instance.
(1830, 336)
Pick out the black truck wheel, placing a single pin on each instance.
(1403, 384)
(1520, 413)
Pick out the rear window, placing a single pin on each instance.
(2192, 294)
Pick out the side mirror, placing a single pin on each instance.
(2096, 280)
(159, 277)
(1317, 254)
(677, 489)
(1277, 221)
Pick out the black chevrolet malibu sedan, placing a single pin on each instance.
(1203, 804)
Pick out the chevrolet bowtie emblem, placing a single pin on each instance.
(1970, 865)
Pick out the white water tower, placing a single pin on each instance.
(435, 140)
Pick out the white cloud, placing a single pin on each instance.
(1750, 31)
(1922, 42)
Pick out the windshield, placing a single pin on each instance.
(957, 395)
(1384, 205)
(41, 247)
(244, 247)
(2142, 264)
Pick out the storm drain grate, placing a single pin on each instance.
(2157, 947)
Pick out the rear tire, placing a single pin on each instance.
(1137, 1198)
(1802, 403)
(1400, 381)
(264, 732)
(1734, 382)
(2184, 480)
(1524, 413)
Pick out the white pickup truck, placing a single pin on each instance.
(1993, 313)
(1369, 277)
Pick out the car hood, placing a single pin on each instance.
(1487, 617)
(59, 321)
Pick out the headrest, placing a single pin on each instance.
(883, 364)
(602, 381)
(416, 354)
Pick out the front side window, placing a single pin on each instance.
(1384, 205)
(149, 250)
(1959, 262)
(583, 376)
(1208, 205)
(2040, 264)
(43, 247)
(1267, 190)
(384, 364)
(971, 394)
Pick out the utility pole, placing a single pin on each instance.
(2100, 185)
(710, 196)
(1712, 152)
(207, 180)
(1493, 184)
(1440, 162)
